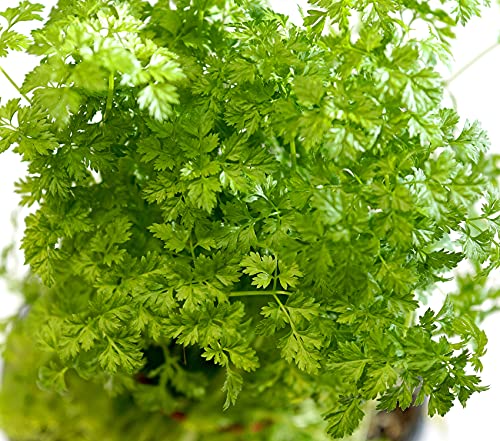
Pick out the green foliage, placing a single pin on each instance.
(237, 220)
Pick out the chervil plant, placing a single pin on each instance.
(237, 220)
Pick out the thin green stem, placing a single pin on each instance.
(111, 91)
(293, 153)
(277, 210)
(11, 81)
(382, 259)
(475, 218)
(410, 317)
(471, 63)
(282, 307)
(285, 311)
(202, 11)
(191, 249)
(350, 172)
(258, 293)
(275, 277)
(453, 99)
(359, 50)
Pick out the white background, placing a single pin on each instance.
(477, 92)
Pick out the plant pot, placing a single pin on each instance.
(398, 425)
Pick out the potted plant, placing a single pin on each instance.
(237, 220)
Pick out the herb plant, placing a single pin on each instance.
(237, 220)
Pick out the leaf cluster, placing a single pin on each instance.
(231, 211)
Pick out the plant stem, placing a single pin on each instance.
(293, 153)
(111, 91)
(454, 102)
(350, 172)
(283, 308)
(191, 249)
(471, 63)
(164, 372)
(11, 81)
(409, 319)
(258, 293)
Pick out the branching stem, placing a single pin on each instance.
(285, 311)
